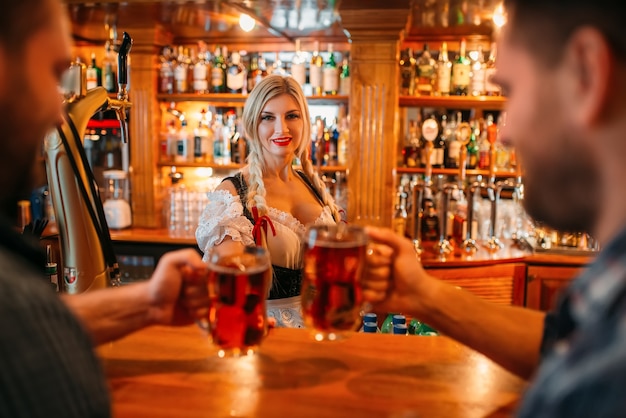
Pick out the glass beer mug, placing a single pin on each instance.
(238, 285)
(334, 258)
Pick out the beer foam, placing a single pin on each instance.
(338, 244)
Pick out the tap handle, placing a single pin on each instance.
(122, 59)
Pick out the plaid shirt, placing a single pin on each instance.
(583, 372)
(48, 367)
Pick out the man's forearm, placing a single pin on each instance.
(509, 335)
(110, 314)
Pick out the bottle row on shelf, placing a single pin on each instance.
(429, 73)
(214, 136)
(197, 70)
(476, 141)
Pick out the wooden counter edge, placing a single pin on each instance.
(482, 258)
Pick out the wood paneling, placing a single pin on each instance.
(499, 283)
(375, 37)
(544, 283)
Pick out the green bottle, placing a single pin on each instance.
(387, 325)
(414, 327)
(428, 330)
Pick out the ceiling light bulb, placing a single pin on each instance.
(499, 16)
(246, 22)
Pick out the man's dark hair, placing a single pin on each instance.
(19, 19)
(544, 26)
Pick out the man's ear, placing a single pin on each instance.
(593, 66)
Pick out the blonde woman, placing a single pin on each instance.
(269, 202)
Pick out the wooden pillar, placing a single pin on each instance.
(375, 35)
(145, 120)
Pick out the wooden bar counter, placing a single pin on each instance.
(174, 372)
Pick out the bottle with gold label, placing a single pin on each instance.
(407, 72)
(315, 70)
(461, 72)
(399, 221)
(426, 72)
(444, 71)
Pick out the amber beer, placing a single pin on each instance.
(331, 292)
(238, 286)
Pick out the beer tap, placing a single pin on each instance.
(86, 249)
(494, 191)
(418, 196)
(443, 246)
(121, 104)
(463, 134)
(418, 214)
(469, 246)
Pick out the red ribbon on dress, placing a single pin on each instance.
(261, 222)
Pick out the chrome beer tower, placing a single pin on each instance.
(86, 248)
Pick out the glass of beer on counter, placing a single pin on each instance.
(238, 285)
(334, 256)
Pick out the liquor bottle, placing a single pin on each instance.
(426, 72)
(461, 72)
(472, 149)
(253, 72)
(183, 146)
(201, 73)
(237, 152)
(93, 74)
(344, 77)
(477, 76)
(444, 71)
(330, 73)
(411, 151)
(261, 72)
(491, 88)
(218, 143)
(218, 72)
(344, 135)
(484, 150)
(454, 145)
(171, 140)
(430, 221)
(315, 70)
(236, 74)
(459, 221)
(166, 72)
(181, 72)
(109, 66)
(190, 60)
(437, 157)
(407, 72)
(298, 65)
(317, 136)
(201, 142)
(400, 215)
